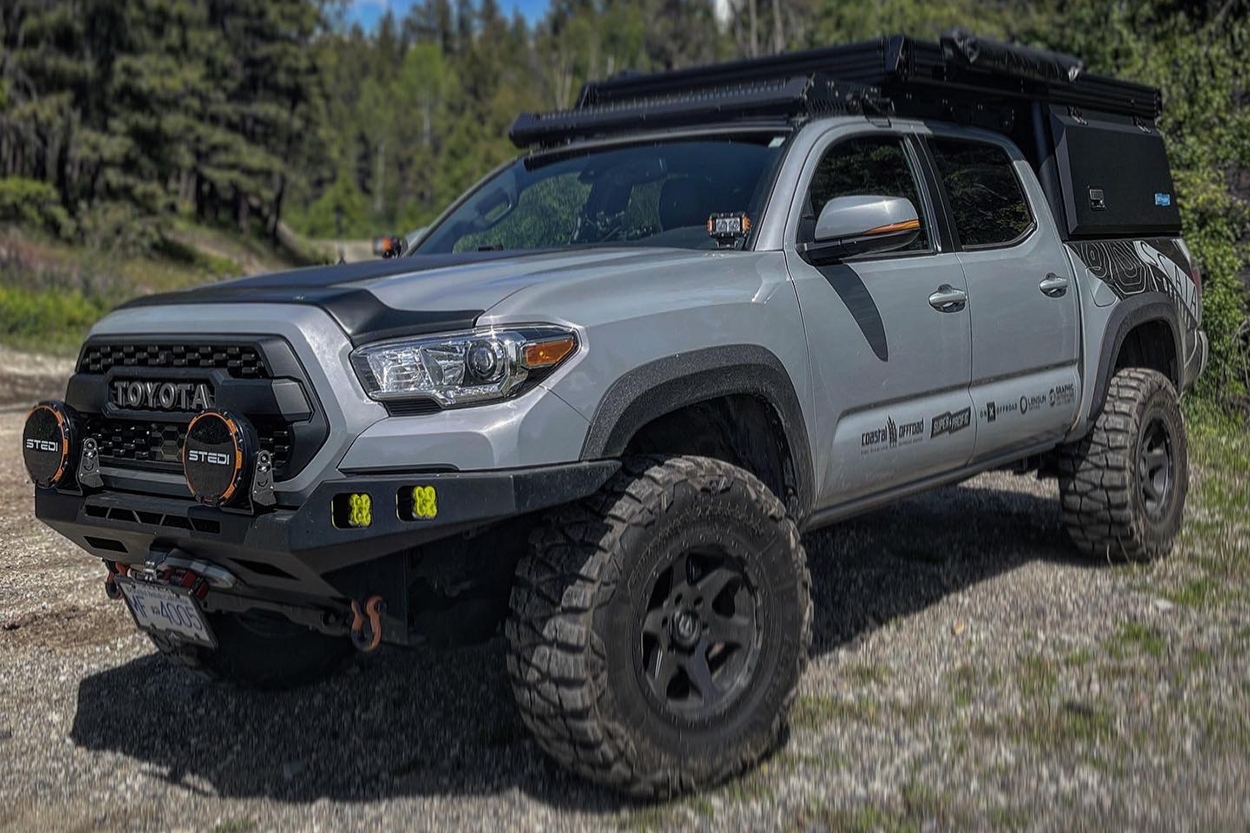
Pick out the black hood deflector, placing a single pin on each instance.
(333, 288)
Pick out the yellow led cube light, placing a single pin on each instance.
(424, 502)
(361, 511)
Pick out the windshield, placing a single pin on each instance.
(655, 194)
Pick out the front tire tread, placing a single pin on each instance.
(556, 663)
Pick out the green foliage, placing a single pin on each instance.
(53, 320)
(160, 105)
(120, 227)
(339, 212)
(52, 291)
(32, 203)
(850, 20)
(420, 111)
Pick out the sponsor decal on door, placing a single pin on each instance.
(891, 435)
(951, 422)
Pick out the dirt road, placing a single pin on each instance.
(968, 673)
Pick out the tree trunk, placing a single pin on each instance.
(63, 184)
(779, 37)
(277, 208)
(755, 28)
(379, 178)
(240, 207)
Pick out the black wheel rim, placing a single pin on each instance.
(699, 634)
(1155, 468)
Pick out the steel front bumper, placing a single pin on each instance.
(295, 553)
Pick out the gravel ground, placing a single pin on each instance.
(25, 378)
(968, 673)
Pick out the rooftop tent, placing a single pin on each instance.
(1091, 139)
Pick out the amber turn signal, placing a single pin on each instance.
(905, 225)
(548, 353)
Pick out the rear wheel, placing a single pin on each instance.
(259, 650)
(659, 629)
(1123, 486)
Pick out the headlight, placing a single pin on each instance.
(462, 368)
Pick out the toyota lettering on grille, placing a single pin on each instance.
(162, 396)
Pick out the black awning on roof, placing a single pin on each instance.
(962, 78)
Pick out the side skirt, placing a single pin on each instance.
(863, 505)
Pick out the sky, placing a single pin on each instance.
(367, 12)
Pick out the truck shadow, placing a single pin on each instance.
(413, 723)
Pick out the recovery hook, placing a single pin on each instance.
(367, 625)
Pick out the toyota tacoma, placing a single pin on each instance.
(597, 402)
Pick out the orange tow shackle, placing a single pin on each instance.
(367, 626)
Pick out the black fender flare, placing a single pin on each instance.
(1125, 316)
(665, 385)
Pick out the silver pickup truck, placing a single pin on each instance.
(598, 401)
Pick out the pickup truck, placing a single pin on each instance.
(598, 401)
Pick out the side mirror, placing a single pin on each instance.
(412, 238)
(388, 246)
(858, 225)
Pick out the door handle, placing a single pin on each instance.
(1054, 286)
(948, 299)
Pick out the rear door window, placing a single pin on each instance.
(985, 194)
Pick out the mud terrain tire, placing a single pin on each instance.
(1123, 486)
(659, 628)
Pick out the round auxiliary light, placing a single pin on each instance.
(48, 442)
(217, 456)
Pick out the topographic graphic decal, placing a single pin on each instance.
(1157, 264)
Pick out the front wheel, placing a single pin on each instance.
(1123, 486)
(658, 629)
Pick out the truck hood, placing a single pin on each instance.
(423, 294)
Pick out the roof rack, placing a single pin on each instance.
(962, 78)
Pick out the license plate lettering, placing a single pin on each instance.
(166, 610)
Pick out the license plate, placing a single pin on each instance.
(167, 610)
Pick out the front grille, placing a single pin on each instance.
(249, 377)
(138, 442)
(158, 445)
(239, 360)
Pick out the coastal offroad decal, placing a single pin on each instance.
(891, 435)
(1157, 264)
